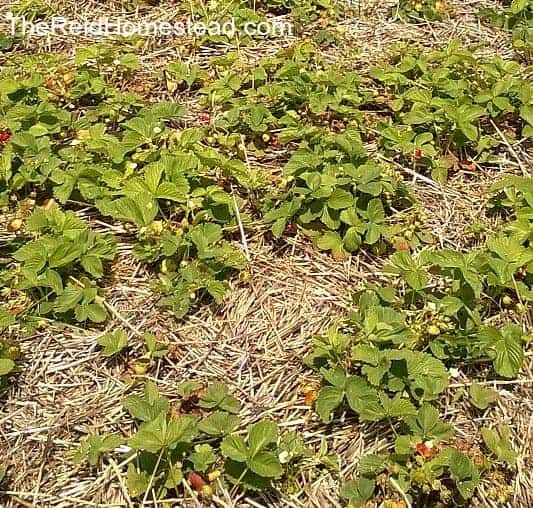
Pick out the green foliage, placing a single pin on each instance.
(388, 360)
(482, 397)
(217, 397)
(113, 342)
(330, 187)
(181, 195)
(62, 264)
(6, 366)
(9, 352)
(420, 9)
(498, 442)
(358, 492)
(93, 447)
(124, 160)
(517, 17)
(254, 460)
(203, 262)
(168, 447)
(450, 99)
(338, 196)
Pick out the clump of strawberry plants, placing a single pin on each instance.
(517, 17)
(330, 189)
(286, 98)
(390, 359)
(448, 101)
(203, 263)
(61, 265)
(421, 9)
(195, 440)
(128, 162)
(338, 196)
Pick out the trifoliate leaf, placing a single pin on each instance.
(329, 398)
(498, 442)
(219, 423)
(113, 342)
(265, 463)
(427, 425)
(358, 492)
(202, 457)
(217, 396)
(481, 396)
(137, 481)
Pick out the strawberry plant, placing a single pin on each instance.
(181, 75)
(304, 12)
(481, 396)
(421, 9)
(498, 442)
(517, 17)
(445, 100)
(419, 472)
(389, 360)
(195, 441)
(113, 343)
(61, 265)
(337, 196)
(153, 350)
(204, 275)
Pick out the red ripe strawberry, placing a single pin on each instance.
(204, 118)
(418, 153)
(5, 136)
(196, 481)
(425, 450)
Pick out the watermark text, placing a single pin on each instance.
(58, 26)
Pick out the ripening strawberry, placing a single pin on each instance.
(289, 227)
(402, 245)
(310, 397)
(418, 153)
